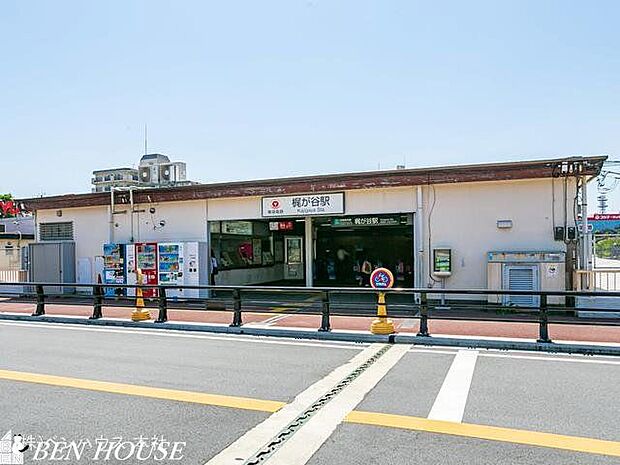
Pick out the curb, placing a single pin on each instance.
(549, 347)
(585, 349)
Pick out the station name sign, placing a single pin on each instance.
(352, 221)
(303, 205)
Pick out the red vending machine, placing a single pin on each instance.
(146, 260)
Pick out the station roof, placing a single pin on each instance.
(503, 171)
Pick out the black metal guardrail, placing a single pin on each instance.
(415, 303)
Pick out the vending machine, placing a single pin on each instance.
(170, 267)
(130, 267)
(113, 268)
(146, 260)
(196, 268)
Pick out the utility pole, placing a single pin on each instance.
(585, 252)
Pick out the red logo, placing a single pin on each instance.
(275, 204)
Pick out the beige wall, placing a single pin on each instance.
(90, 229)
(245, 208)
(10, 253)
(357, 202)
(184, 221)
(464, 218)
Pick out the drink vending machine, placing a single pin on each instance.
(130, 267)
(145, 260)
(183, 263)
(113, 268)
(171, 267)
(196, 269)
(167, 263)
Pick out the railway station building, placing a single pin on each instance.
(498, 225)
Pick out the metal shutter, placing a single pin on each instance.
(60, 231)
(521, 278)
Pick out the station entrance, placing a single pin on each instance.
(348, 248)
(328, 250)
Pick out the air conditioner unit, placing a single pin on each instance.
(145, 174)
(525, 271)
(167, 172)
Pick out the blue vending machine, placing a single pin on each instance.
(114, 268)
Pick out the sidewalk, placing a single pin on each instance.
(491, 329)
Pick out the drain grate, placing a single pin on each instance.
(278, 441)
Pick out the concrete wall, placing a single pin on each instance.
(464, 218)
(183, 221)
(11, 252)
(357, 202)
(90, 229)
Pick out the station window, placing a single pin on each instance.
(241, 244)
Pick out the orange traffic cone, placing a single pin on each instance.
(140, 314)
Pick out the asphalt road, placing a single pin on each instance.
(225, 397)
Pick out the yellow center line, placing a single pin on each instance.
(218, 400)
(492, 433)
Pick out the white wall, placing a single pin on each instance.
(357, 202)
(465, 217)
(90, 229)
(244, 208)
(258, 275)
(373, 201)
(184, 221)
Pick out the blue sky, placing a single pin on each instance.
(254, 89)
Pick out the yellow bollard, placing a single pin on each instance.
(382, 278)
(382, 325)
(140, 314)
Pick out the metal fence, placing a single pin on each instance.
(603, 279)
(424, 305)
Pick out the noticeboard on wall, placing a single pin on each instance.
(442, 260)
(243, 228)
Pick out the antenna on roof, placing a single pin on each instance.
(145, 140)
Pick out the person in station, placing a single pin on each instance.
(214, 268)
(366, 271)
(342, 268)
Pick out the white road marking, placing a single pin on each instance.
(270, 321)
(450, 402)
(520, 339)
(496, 353)
(307, 440)
(553, 358)
(181, 334)
(431, 350)
(248, 444)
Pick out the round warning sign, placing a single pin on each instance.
(381, 278)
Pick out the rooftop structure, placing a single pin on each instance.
(154, 170)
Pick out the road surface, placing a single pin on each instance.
(225, 398)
